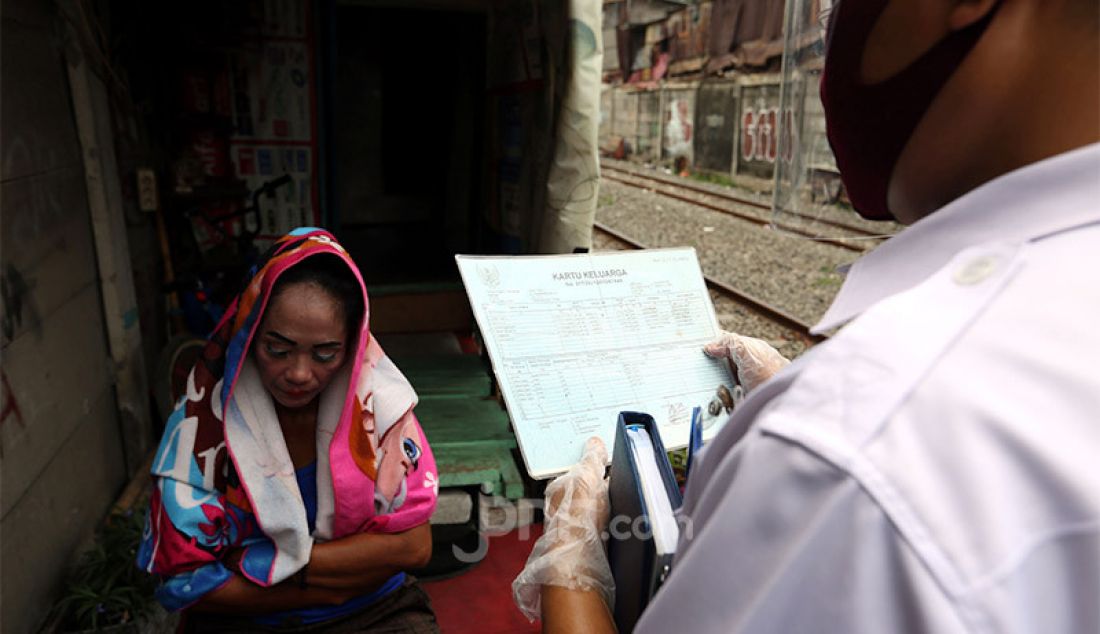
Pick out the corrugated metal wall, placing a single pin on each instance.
(689, 33)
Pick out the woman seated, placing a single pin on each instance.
(293, 482)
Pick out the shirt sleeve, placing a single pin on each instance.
(782, 541)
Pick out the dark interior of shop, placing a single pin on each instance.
(405, 139)
(393, 128)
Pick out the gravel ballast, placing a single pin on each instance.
(794, 274)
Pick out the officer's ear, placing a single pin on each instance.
(967, 12)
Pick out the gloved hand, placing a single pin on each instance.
(752, 359)
(570, 552)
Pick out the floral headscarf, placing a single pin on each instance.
(224, 478)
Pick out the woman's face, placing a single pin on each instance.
(301, 344)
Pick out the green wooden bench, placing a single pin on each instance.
(468, 430)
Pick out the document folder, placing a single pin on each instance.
(643, 530)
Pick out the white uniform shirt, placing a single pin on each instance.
(935, 466)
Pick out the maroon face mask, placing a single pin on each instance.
(868, 125)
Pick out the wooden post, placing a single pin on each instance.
(91, 110)
(638, 131)
(738, 103)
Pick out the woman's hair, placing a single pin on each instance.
(333, 275)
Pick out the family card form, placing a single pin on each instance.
(576, 339)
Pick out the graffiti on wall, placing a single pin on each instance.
(34, 207)
(748, 134)
(763, 133)
(679, 127)
(9, 407)
(19, 306)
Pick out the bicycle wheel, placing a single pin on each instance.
(173, 367)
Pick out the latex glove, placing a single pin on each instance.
(570, 552)
(754, 360)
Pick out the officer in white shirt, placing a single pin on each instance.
(935, 465)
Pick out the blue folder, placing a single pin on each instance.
(638, 568)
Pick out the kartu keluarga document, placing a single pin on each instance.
(576, 339)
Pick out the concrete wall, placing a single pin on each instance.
(624, 117)
(730, 126)
(811, 130)
(715, 123)
(607, 103)
(62, 461)
(648, 143)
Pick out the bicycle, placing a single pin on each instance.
(206, 283)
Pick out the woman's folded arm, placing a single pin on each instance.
(366, 560)
(337, 572)
(241, 596)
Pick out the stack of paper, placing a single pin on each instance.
(576, 339)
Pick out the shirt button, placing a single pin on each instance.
(187, 588)
(976, 270)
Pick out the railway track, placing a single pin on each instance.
(851, 238)
(753, 304)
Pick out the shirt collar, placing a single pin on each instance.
(1036, 200)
